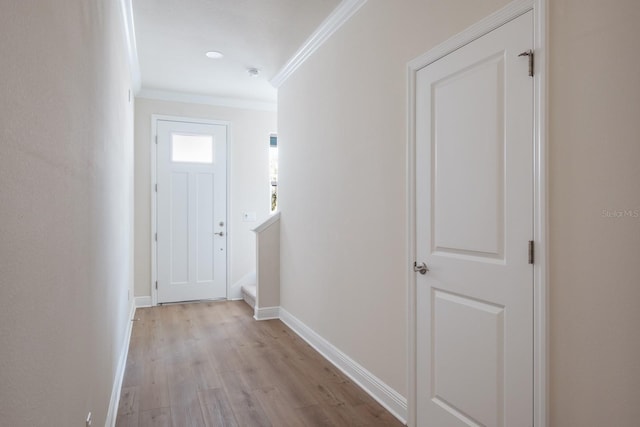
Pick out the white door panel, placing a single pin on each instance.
(191, 210)
(474, 218)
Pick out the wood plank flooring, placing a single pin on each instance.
(212, 364)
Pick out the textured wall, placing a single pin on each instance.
(248, 181)
(66, 177)
(342, 136)
(594, 159)
(268, 274)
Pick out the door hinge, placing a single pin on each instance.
(156, 284)
(156, 188)
(532, 252)
(156, 139)
(156, 237)
(529, 53)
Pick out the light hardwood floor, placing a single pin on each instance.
(212, 364)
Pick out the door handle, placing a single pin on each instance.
(420, 268)
(221, 233)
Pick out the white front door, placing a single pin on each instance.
(474, 221)
(191, 211)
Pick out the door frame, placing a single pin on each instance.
(540, 193)
(155, 118)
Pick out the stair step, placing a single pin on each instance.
(249, 295)
(249, 289)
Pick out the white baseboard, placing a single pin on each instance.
(393, 401)
(143, 302)
(266, 313)
(122, 364)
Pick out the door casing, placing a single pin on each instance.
(154, 207)
(486, 25)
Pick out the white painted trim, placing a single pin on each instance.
(130, 42)
(267, 223)
(340, 15)
(393, 401)
(112, 413)
(143, 301)
(229, 219)
(154, 178)
(192, 98)
(540, 334)
(541, 230)
(266, 313)
(153, 166)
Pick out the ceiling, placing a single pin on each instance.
(172, 37)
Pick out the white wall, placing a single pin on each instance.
(268, 263)
(594, 166)
(342, 135)
(248, 175)
(66, 187)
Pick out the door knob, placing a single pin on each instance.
(420, 268)
(221, 233)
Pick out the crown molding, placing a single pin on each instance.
(340, 15)
(130, 42)
(192, 98)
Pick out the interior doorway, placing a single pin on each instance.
(477, 227)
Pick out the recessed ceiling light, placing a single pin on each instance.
(214, 54)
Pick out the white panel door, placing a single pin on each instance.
(191, 211)
(474, 219)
